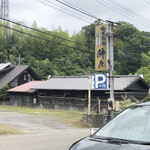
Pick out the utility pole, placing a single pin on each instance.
(19, 59)
(4, 13)
(111, 66)
(104, 57)
(89, 96)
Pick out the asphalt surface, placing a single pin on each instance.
(41, 133)
(60, 139)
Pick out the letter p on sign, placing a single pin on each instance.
(100, 81)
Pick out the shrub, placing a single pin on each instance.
(4, 94)
(126, 103)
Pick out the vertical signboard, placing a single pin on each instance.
(101, 46)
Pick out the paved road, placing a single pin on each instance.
(59, 139)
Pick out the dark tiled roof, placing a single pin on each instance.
(81, 83)
(15, 72)
(65, 83)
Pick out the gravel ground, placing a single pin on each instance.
(30, 123)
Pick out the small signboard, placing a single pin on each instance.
(101, 81)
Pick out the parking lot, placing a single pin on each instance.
(40, 133)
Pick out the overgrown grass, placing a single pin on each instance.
(70, 118)
(5, 129)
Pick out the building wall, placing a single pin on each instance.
(70, 100)
(79, 99)
(16, 98)
(21, 97)
(23, 78)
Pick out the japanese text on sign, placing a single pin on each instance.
(101, 48)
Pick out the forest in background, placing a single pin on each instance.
(66, 56)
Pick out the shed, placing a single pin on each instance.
(73, 91)
(16, 75)
(24, 94)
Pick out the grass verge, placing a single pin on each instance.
(5, 129)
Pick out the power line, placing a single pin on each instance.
(28, 34)
(127, 10)
(126, 14)
(38, 37)
(129, 56)
(79, 8)
(41, 38)
(81, 11)
(4, 9)
(148, 2)
(62, 9)
(118, 11)
(67, 9)
(25, 26)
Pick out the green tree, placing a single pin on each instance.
(145, 69)
(4, 94)
(129, 43)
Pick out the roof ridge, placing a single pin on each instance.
(127, 75)
(86, 76)
(70, 77)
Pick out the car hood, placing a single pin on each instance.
(91, 144)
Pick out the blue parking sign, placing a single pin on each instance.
(100, 81)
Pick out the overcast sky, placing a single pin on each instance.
(51, 16)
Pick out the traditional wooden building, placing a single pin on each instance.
(24, 94)
(16, 75)
(72, 92)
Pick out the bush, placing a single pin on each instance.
(4, 94)
(126, 103)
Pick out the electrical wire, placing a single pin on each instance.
(120, 12)
(44, 38)
(79, 8)
(131, 57)
(126, 14)
(28, 34)
(81, 11)
(130, 12)
(64, 10)
(7, 27)
(25, 26)
(148, 2)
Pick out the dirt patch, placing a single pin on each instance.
(30, 123)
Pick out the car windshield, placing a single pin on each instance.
(132, 124)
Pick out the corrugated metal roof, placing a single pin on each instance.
(81, 83)
(25, 88)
